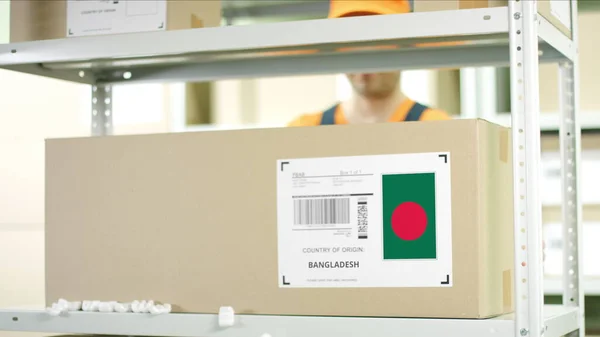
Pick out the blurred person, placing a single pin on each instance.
(376, 97)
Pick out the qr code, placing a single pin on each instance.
(363, 220)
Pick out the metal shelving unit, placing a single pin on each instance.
(514, 36)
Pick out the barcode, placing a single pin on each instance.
(363, 220)
(322, 211)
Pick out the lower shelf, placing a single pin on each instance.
(560, 320)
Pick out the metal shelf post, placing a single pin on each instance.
(524, 65)
(570, 149)
(102, 124)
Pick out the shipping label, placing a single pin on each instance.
(365, 221)
(97, 17)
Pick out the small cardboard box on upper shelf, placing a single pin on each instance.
(394, 219)
(32, 20)
(558, 12)
(442, 5)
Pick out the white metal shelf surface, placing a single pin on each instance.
(323, 46)
(559, 321)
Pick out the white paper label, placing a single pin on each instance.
(95, 17)
(365, 221)
(561, 9)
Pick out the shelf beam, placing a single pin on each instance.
(189, 70)
(448, 57)
(343, 32)
(560, 320)
(444, 39)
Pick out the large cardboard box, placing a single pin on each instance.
(32, 20)
(395, 219)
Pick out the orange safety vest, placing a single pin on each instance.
(408, 110)
(413, 115)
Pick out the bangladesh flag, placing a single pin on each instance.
(409, 216)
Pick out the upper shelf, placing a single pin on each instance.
(474, 37)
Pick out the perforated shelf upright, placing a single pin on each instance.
(515, 36)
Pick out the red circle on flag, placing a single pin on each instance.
(409, 221)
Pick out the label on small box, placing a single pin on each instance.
(99, 17)
(365, 221)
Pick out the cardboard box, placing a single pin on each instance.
(37, 20)
(447, 5)
(32, 20)
(202, 220)
(558, 12)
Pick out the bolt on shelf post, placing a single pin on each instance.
(102, 124)
(570, 149)
(525, 109)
